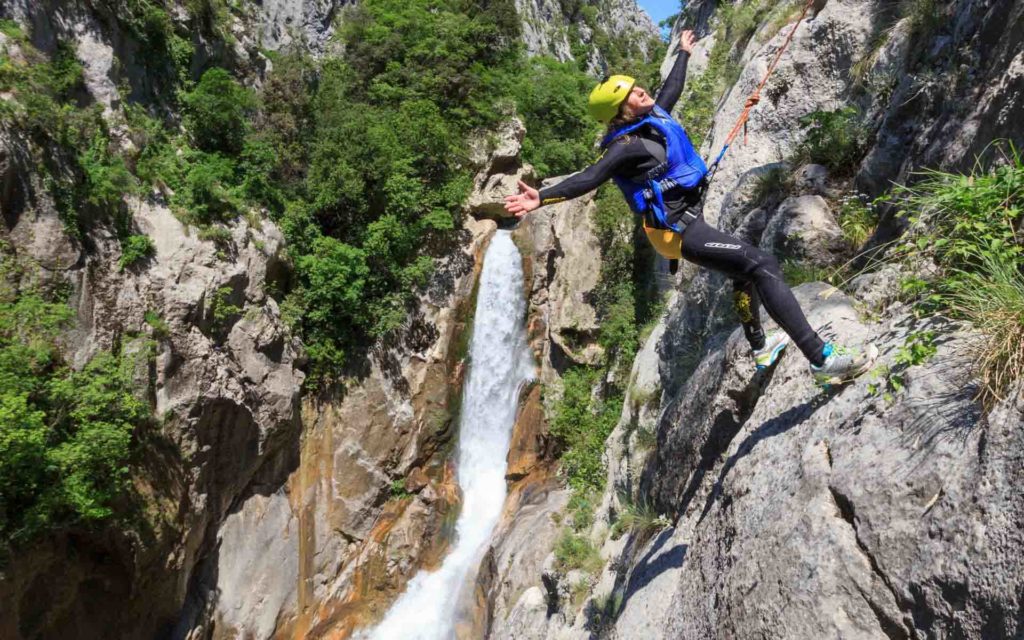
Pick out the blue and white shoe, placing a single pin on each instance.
(774, 343)
(843, 364)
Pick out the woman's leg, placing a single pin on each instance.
(709, 247)
(748, 307)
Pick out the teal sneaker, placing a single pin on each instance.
(766, 356)
(843, 364)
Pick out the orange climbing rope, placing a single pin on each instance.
(755, 96)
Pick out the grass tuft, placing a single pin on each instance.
(991, 297)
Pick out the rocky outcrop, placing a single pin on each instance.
(781, 467)
(546, 30)
(870, 510)
(562, 261)
(814, 74)
(225, 387)
(373, 495)
(803, 228)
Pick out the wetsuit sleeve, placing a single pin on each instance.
(618, 157)
(673, 87)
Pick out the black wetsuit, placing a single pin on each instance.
(757, 278)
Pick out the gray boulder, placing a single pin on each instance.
(804, 229)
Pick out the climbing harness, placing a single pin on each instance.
(683, 166)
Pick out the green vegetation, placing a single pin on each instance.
(217, 112)
(360, 158)
(797, 272)
(582, 423)
(836, 139)
(638, 518)
(917, 349)
(159, 326)
(575, 551)
(398, 490)
(552, 100)
(991, 297)
(857, 219)
(969, 226)
(222, 310)
(134, 249)
(65, 435)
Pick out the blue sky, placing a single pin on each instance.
(660, 9)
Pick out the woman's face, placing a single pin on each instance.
(639, 102)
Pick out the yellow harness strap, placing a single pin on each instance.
(665, 241)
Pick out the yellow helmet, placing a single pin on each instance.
(608, 95)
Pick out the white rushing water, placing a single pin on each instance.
(500, 362)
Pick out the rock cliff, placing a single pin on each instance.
(784, 510)
(275, 512)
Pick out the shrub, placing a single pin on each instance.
(836, 139)
(208, 192)
(398, 490)
(551, 97)
(160, 327)
(574, 551)
(582, 423)
(217, 112)
(134, 249)
(991, 297)
(639, 518)
(969, 225)
(857, 219)
(222, 310)
(66, 435)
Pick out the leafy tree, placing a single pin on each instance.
(217, 112)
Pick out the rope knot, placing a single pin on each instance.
(753, 100)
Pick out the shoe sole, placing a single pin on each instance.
(776, 352)
(872, 356)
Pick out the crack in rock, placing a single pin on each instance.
(893, 629)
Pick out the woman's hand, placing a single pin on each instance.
(524, 202)
(686, 41)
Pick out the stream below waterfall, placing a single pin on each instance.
(500, 363)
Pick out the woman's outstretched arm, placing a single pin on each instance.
(669, 93)
(620, 155)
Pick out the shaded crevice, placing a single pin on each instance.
(893, 629)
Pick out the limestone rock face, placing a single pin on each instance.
(942, 98)
(226, 390)
(869, 510)
(497, 155)
(781, 466)
(545, 29)
(563, 262)
(803, 229)
(303, 23)
(812, 75)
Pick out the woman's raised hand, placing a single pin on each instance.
(686, 41)
(524, 202)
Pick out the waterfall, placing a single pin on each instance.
(500, 362)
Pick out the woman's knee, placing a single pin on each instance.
(766, 263)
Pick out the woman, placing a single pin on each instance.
(653, 162)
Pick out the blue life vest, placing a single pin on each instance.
(683, 167)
